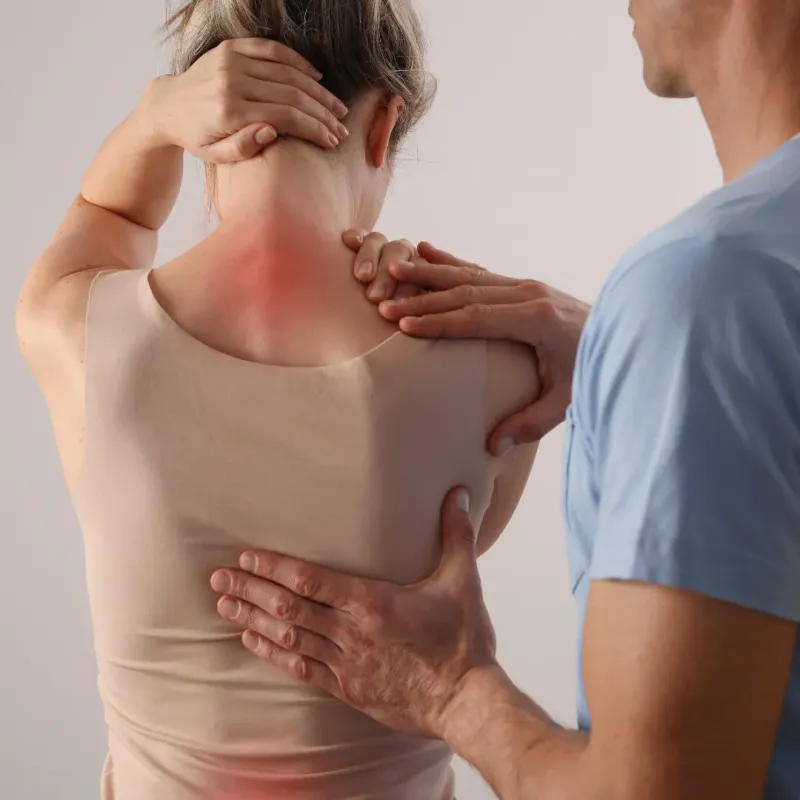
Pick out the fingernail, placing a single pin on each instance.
(333, 140)
(409, 323)
(248, 562)
(315, 73)
(401, 269)
(339, 108)
(250, 641)
(505, 446)
(343, 132)
(365, 271)
(389, 305)
(222, 582)
(463, 501)
(229, 608)
(265, 135)
(376, 292)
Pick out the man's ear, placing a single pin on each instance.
(379, 137)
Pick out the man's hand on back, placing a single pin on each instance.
(402, 654)
(433, 294)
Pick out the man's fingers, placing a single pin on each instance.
(383, 287)
(384, 284)
(296, 666)
(437, 256)
(450, 300)
(374, 260)
(323, 586)
(427, 275)
(242, 146)
(354, 238)
(278, 601)
(406, 290)
(511, 322)
(287, 636)
(365, 267)
(532, 424)
(270, 50)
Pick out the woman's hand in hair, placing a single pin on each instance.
(446, 297)
(238, 98)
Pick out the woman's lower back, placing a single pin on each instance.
(192, 456)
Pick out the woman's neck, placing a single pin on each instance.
(274, 282)
(277, 256)
(295, 189)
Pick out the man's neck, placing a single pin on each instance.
(751, 102)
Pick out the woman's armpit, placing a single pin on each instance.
(512, 381)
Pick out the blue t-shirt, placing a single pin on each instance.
(683, 441)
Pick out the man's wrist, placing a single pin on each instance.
(505, 735)
(481, 694)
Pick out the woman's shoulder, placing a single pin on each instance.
(512, 379)
(507, 372)
(51, 325)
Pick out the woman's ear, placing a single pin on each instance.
(379, 137)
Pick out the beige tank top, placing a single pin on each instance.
(191, 457)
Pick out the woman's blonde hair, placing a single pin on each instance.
(356, 44)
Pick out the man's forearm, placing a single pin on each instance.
(137, 173)
(517, 748)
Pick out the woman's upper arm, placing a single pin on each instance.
(512, 384)
(509, 486)
(51, 312)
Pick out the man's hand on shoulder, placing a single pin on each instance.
(433, 294)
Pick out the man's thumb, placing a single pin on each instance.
(530, 425)
(459, 538)
(241, 146)
(354, 238)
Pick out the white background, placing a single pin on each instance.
(544, 157)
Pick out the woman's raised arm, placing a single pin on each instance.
(228, 107)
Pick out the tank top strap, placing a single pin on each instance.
(118, 310)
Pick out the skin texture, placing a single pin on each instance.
(685, 691)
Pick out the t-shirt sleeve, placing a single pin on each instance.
(690, 384)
